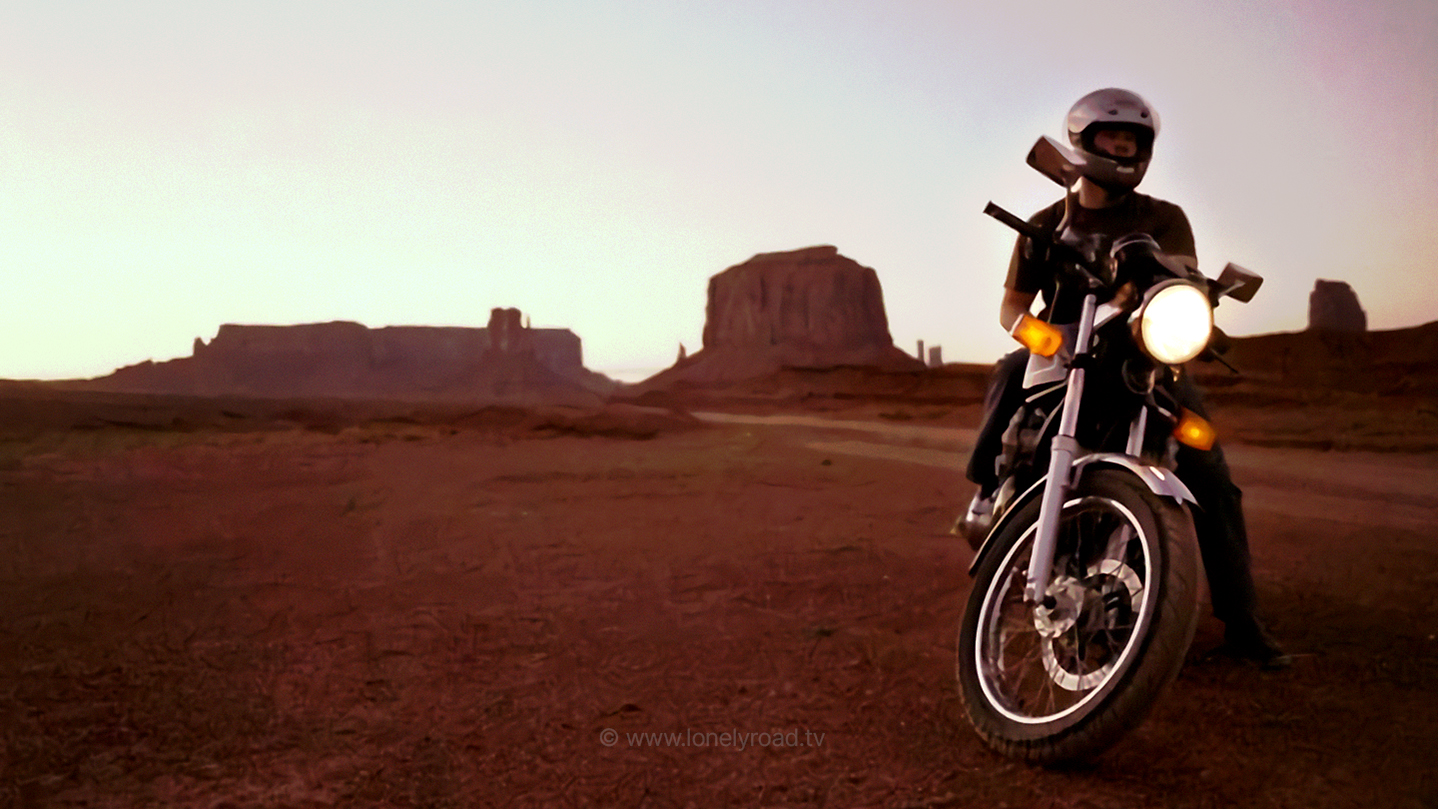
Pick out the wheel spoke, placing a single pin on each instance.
(1041, 665)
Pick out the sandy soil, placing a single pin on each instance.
(491, 609)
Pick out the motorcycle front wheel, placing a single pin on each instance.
(1065, 679)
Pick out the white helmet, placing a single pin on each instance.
(1113, 108)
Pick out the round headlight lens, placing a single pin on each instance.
(1176, 323)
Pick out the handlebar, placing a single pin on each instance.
(1071, 259)
(1026, 228)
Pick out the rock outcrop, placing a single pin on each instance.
(1333, 306)
(1378, 363)
(810, 308)
(348, 360)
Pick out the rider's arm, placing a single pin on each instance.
(1014, 306)
(1029, 271)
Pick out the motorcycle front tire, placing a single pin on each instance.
(1160, 574)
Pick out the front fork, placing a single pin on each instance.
(1062, 450)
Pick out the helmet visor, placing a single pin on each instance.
(1127, 144)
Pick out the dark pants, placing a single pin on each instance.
(1001, 401)
(1218, 520)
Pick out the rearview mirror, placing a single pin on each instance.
(1238, 283)
(1056, 161)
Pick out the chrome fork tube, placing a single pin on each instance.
(1136, 433)
(1118, 543)
(1061, 456)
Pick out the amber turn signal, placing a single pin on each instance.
(1195, 431)
(1037, 336)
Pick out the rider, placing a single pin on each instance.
(1114, 131)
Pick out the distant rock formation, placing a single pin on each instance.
(1398, 361)
(809, 308)
(1333, 306)
(348, 360)
(506, 333)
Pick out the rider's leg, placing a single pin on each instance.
(1223, 543)
(1002, 399)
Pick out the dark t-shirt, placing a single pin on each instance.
(1136, 213)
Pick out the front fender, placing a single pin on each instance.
(1160, 481)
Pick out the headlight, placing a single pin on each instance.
(1175, 323)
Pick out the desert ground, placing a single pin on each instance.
(748, 602)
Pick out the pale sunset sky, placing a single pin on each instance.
(170, 166)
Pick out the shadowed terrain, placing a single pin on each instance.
(310, 603)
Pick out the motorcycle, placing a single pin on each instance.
(1085, 595)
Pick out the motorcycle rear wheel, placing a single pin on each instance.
(1064, 682)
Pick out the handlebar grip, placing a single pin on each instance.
(1028, 229)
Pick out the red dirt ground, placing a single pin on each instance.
(315, 608)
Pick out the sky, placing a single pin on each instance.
(170, 166)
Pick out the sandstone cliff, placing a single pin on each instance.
(809, 308)
(1333, 306)
(348, 360)
(1377, 363)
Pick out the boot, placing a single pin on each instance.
(975, 523)
(1247, 639)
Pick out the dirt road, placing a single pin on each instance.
(1389, 489)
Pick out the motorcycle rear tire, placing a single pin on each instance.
(1149, 658)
